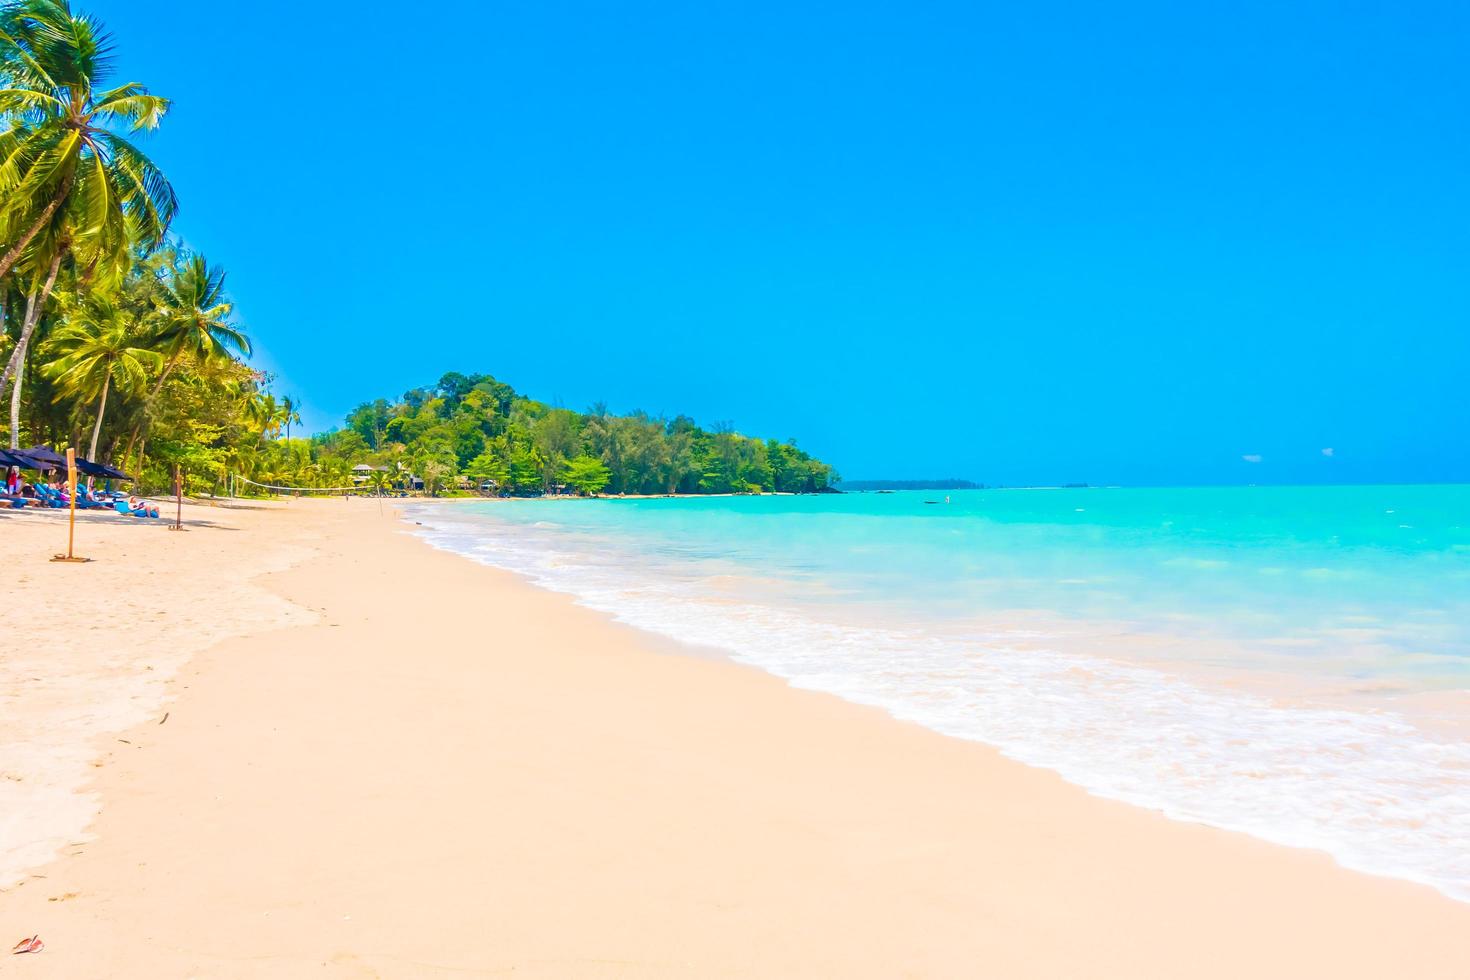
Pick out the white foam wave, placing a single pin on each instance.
(1375, 792)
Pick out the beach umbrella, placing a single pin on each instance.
(23, 459)
(100, 469)
(45, 455)
(8, 459)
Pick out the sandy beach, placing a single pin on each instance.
(297, 741)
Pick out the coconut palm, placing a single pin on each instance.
(29, 322)
(335, 472)
(99, 346)
(289, 414)
(62, 145)
(70, 183)
(194, 318)
(261, 411)
(39, 273)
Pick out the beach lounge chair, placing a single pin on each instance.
(48, 497)
(55, 498)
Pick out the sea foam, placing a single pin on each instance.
(1368, 787)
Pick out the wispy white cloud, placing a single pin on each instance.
(1252, 457)
(1328, 451)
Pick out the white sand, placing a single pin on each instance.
(422, 767)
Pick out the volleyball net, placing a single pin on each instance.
(274, 488)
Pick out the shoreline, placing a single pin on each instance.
(481, 775)
(1363, 772)
(1099, 639)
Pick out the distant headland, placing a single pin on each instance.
(473, 431)
(946, 484)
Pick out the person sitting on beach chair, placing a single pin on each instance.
(48, 495)
(58, 495)
(95, 498)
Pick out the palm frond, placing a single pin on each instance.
(19, 102)
(147, 194)
(141, 110)
(74, 47)
(49, 167)
(22, 66)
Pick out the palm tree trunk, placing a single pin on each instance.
(12, 256)
(143, 414)
(101, 410)
(15, 407)
(132, 440)
(167, 370)
(34, 305)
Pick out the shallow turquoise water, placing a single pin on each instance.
(1292, 662)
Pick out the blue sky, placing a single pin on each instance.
(1022, 243)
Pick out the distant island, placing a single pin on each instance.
(950, 484)
(472, 431)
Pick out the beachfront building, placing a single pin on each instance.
(362, 472)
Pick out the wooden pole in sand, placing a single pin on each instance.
(71, 531)
(178, 524)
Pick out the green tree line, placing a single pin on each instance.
(477, 430)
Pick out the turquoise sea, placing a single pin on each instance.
(1291, 662)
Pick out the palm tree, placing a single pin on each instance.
(288, 415)
(61, 160)
(243, 459)
(62, 146)
(30, 321)
(42, 274)
(194, 318)
(261, 411)
(95, 348)
(380, 481)
(334, 471)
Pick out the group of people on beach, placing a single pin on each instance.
(50, 490)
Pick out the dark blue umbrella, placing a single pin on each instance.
(23, 459)
(100, 469)
(45, 455)
(8, 458)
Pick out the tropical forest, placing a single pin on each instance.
(122, 343)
